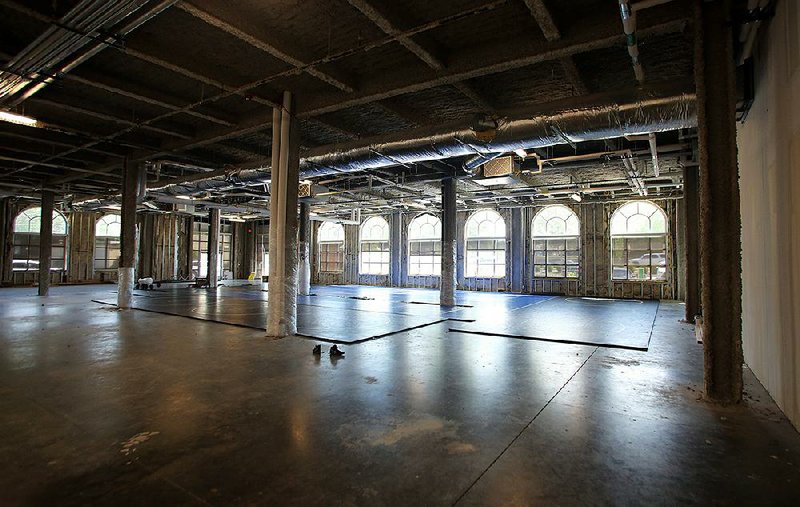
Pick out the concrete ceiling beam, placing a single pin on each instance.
(427, 55)
(600, 36)
(551, 33)
(259, 42)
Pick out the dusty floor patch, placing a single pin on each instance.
(370, 380)
(460, 448)
(129, 445)
(414, 428)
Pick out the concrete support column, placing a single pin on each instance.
(45, 242)
(303, 237)
(282, 306)
(447, 291)
(396, 249)
(517, 249)
(7, 215)
(691, 248)
(213, 247)
(720, 221)
(679, 226)
(127, 259)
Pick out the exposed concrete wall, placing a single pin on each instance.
(769, 164)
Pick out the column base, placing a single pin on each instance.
(125, 287)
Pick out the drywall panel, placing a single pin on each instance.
(769, 162)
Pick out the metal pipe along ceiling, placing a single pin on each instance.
(656, 115)
(77, 36)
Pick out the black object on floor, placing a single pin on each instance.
(335, 352)
(317, 350)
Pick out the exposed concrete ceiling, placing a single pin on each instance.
(190, 85)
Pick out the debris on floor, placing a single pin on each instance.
(129, 446)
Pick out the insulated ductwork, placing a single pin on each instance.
(656, 115)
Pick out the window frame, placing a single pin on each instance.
(104, 242)
(330, 247)
(430, 245)
(473, 245)
(626, 238)
(23, 241)
(225, 253)
(564, 239)
(379, 246)
(200, 239)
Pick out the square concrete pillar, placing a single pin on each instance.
(447, 290)
(131, 182)
(45, 242)
(720, 221)
(213, 248)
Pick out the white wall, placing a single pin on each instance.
(769, 165)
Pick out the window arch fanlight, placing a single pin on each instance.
(639, 242)
(29, 221)
(486, 245)
(330, 241)
(556, 242)
(374, 247)
(106, 242)
(425, 246)
(26, 241)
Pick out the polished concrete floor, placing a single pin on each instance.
(99, 406)
(347, 314)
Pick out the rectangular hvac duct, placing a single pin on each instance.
(501, 166)
(304, 189)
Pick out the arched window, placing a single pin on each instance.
(486, 245)
(330, 239)
(425, 246)
(374, 245)
(556, 243)
(106, 242)
(26, 241)
(639, 242)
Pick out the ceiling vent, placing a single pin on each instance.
(304, 189)
(501, 166)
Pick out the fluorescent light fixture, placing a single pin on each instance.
(18, 119)
(113, 206)
(521, 153)
(235, 219)
(576, 197)
(185, 197)
(493, 182)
